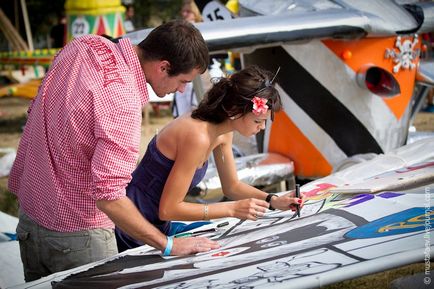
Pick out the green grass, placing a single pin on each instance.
(379, 280)
(8, 201)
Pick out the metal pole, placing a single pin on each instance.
(27, 25)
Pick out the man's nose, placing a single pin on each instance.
(181, 87)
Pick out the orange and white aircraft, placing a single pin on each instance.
(350, 73)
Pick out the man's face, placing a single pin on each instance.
(170, 84)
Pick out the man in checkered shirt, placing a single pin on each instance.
(81, 143)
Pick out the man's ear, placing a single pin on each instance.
(164, 66)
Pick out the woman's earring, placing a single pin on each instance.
(232, 118)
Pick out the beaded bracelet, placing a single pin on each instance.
(168, 246)
(205, 212)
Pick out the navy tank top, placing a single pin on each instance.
(146, 187)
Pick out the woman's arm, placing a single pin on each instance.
(234, 189)
(192, 150)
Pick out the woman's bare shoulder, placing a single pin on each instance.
(195, 133)
(186, 131)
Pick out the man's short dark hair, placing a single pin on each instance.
(178, 42)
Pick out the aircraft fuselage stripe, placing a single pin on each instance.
(350, 135)
(344, 32)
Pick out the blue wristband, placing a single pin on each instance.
(168, 246)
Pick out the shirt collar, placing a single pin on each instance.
(133, 61)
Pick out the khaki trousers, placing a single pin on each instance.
(44, 252)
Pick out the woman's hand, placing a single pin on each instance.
(249, 209)
(287, 201)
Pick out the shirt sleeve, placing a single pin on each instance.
(117, 134)
(17, 169)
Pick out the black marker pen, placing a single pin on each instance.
(297, 195)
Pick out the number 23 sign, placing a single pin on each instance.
(79, 27)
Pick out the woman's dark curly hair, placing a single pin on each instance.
(233, 96)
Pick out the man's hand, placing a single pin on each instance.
(192, 245)
(125, 215)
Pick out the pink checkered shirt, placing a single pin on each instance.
(81, 140)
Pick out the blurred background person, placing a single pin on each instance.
(58, 32)
(129, 15)
(190, 11)
(186, 101)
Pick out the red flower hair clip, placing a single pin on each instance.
(259, 105)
